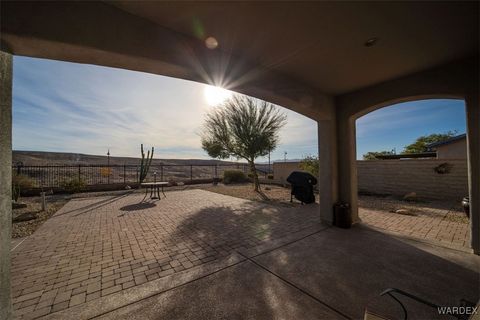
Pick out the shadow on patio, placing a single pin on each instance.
(200, 255)
(329, 274)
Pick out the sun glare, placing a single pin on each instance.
(216, 95)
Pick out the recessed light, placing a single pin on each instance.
(371, 42)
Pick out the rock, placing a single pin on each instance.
(406, 212)
(128, 187)
(412, 196)
(25, 217)
(18, 205)
(267, 188)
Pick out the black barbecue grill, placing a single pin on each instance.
(302, 186)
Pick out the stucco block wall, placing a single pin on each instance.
(281, 170)
(399, 177)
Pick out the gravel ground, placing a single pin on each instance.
(34, 209)
(452, 210)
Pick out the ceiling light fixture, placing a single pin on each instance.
(371, 42)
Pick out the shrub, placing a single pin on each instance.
(233, 176)
(74, 185)
(311, 165)
(270, 176)
(20, 182)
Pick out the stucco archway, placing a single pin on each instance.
(395, 177)
(457, 81)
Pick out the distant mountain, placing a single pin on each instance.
(35, 158)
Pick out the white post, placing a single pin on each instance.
(44, 201)
(347, 163)
(327, 179)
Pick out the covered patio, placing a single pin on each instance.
(202, 255)
(332, 62)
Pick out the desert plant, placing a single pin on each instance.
(311, 165)
(270, 176)
(244, 128)
(74, 185)
(372, 155)
(233, 176)
(20, 182)
(145, 163)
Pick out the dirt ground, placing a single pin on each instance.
(269, 193)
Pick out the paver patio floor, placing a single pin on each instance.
(95, 247)
(328, 274)
(437, 225)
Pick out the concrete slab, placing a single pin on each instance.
(243, 291)
(347, 269)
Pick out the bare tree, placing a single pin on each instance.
(245, 128)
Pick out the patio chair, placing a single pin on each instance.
(369, 315)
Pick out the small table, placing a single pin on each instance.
(154, 189)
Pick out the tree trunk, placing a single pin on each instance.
(253, 171)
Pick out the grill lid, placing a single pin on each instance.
(299, 178)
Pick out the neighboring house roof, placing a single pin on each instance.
(407, 155)
(288, 161)
(448, 141)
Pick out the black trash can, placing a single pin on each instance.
(343, 217)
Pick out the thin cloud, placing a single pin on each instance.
(70, 107)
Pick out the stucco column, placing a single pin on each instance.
(327, 180)
(347, 163)
(5, 183)
(473, 147)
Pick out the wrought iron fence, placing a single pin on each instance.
(59, 175)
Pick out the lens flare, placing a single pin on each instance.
(216, 95)
(211, 43)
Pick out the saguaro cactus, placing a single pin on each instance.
(145, 163)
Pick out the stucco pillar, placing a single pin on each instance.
(347, 163)
(473, 147)
(5, 183)
(327, 180)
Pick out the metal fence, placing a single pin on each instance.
(59, 175)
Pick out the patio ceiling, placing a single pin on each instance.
(266, 49)
(322, 43)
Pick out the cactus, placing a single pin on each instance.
(145, 163)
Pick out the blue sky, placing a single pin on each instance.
(399, 125)
(68, 107)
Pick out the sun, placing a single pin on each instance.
(216, 95)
